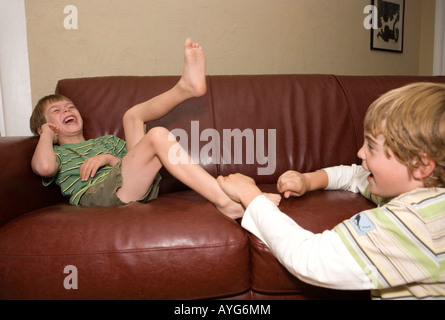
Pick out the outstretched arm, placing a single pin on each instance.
(293, 183)
(319, 259)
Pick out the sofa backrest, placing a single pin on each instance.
(260, 125)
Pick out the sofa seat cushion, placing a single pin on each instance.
(177, 246)
(316, 212)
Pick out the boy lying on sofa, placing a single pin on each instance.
(109, 171)
(397, 249)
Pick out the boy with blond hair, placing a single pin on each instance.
(397, 249)
(109, 171)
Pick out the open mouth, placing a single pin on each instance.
(69, 119)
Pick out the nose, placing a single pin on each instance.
(361, 152)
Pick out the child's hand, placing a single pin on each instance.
(91, 165)
(239, 188)
(51, 130)
(292, 183)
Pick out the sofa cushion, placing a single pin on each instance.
(177, 246)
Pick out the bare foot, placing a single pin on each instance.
(274, 197)
(235, 210)
(231, 209)
(193, 79)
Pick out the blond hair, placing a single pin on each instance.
(38, 114)
(412, 120)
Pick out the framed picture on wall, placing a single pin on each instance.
(388, 32)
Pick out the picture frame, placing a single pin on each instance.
(389, 32)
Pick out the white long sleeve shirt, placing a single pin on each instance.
(319, 259)
(396, 248)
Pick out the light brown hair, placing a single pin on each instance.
(38, 114)
(412, 120)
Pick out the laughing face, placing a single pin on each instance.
(388, 177)
(65, 116)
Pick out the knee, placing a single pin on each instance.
(158, 135)
(130, 118)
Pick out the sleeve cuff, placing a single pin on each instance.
(248, 221)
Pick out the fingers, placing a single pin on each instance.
(90, 166)
(50, 129)
(228, 187)
(236, 179)
(53, 127)
(221, 181)
(284, 184)
(243, 189)
(87, 170)
(291, 183)
(283, 181)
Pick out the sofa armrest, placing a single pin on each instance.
(21, 190)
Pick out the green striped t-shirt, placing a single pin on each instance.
(70, 158)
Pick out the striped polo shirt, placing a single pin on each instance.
(70, 158)
(401, 245)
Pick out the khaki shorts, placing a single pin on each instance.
(104, 193)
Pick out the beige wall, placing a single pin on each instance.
(145, 37)
(427, 37)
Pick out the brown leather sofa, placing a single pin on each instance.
(179, 246)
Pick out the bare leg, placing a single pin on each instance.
(147, 153)
(141, 164)
(192, 84)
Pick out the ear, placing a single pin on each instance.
(423, 167)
